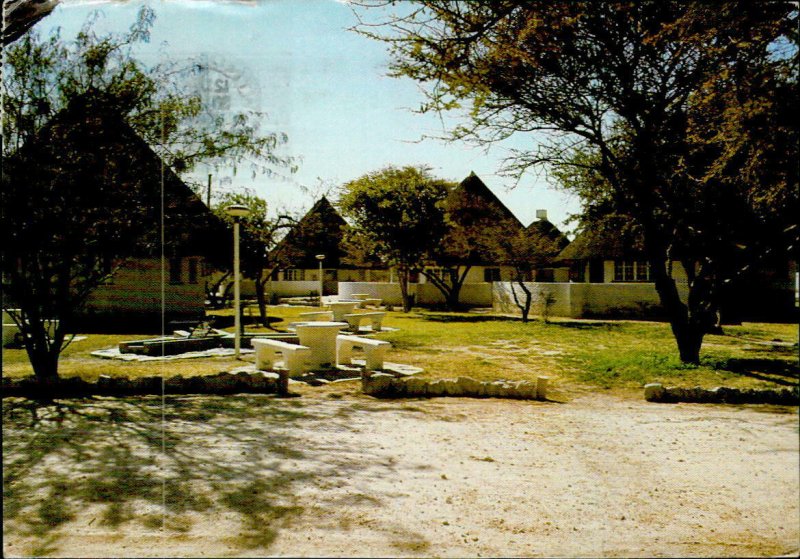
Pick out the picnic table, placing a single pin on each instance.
(320, 337)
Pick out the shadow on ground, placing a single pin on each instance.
(133, 464)
(773, 370)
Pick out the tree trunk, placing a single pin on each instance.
(262, 301)
(402, 276)
(43, 353)
(689, 338)
(525, 307)
(689, 323)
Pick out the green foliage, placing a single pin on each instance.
(673, 115)
(397, 212)
(41, 75)
(81, 120)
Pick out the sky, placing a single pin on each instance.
(322, 85)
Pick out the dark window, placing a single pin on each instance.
(294, 275)
(175, 270)
(631, 270)
(491, 274)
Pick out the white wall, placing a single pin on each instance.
(389, 293)
(574, 300)
(472, 294)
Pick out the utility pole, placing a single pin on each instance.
(208, 195)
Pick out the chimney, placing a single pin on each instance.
(541, 214)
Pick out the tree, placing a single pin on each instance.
(474, 220)
(628, 85)
(259, 236)
(77, 119)
(397, 213)
(525, 251)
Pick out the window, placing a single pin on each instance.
(631, 270)
(491, 274)
(175, 270)
(294, 275)
(192, 270)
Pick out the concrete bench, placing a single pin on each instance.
(317, 316)
(294, 356)
(375, 318)
(374, 350)
(371, 302)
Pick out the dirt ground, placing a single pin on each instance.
(336, 473)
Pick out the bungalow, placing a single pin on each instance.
(608, 275)
(474, 247)
(315, 243)
(89, 147)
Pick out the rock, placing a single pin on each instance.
(469, 386)
(436, 388)
(175, 385)
(415, 387)
(450, 387)
(653, 392)
(378, 384)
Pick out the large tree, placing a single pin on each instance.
(78, 117)
(398, 214)
(681, 107)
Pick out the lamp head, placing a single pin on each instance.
(237, 211)
(320, 257)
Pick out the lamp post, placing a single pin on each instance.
(320, 257)
(237, 212)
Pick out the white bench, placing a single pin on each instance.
(317, 316)
(294, 356)
(375, 318)
(374, 350)
(371, 303)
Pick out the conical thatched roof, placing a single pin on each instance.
(320, 231)
(605, 244)
(472, 191)
(88, 161)
(544, 228)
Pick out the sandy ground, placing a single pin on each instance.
(335, 473)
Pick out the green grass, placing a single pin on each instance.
(607, 354)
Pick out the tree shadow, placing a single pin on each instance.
(588, 325)
(115, 463)
(777, 371)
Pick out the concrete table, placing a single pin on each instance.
(320, 337)
(360, 296)
(341, 308)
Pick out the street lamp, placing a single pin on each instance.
(320, 257)
(237, 212)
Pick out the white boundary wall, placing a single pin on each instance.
(389, 293)
(574, 300)
(475, 294)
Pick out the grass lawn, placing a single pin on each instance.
(621, 355)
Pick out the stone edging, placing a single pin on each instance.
(721, 395)
(260, 382)
(388, 386)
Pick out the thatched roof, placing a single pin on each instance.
(320, 231)
(606, 244)
(544, 228)
(88, 147)
(472, 191)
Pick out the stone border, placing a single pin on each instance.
(384, 385)
(721, 395)
(259, 382)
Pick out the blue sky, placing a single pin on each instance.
(324, 86)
